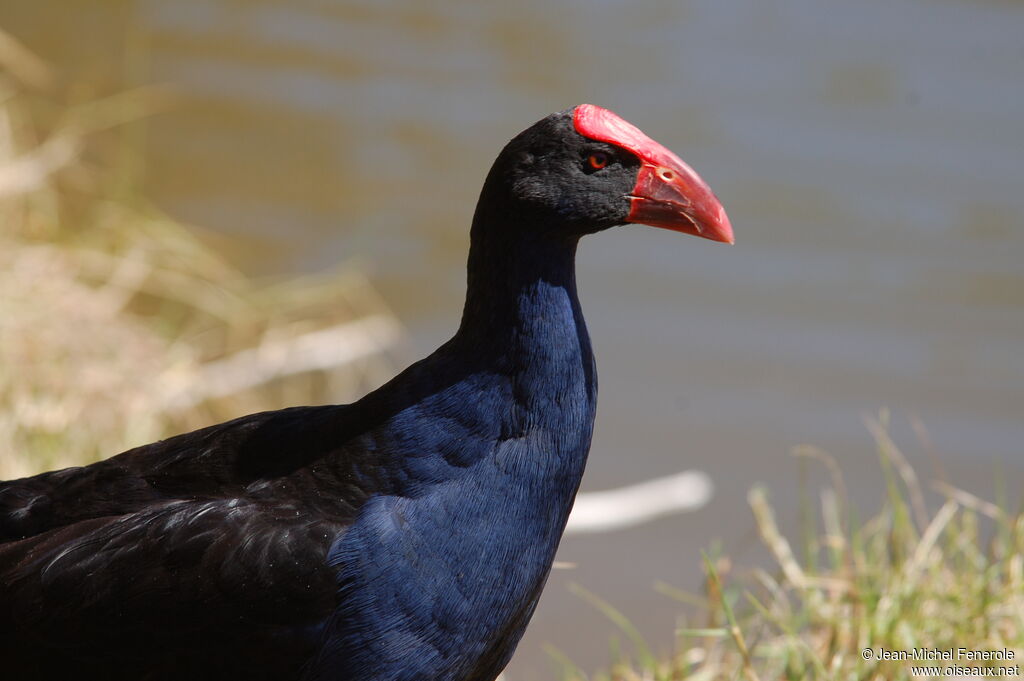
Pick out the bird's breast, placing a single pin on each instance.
(450, 577)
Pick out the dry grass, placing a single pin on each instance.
(118, 325)
(910, 577)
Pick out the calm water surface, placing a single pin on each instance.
(870, 155)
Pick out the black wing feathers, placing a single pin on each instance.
(184, 577)
(220, 461)
(200, 556)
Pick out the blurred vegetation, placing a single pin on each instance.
(119, 325)
(909, 577)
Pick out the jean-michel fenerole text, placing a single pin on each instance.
(959, 654)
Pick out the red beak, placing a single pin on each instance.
(668, 193)
(673, 196)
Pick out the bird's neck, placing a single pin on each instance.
(520, 283)
(522, 324)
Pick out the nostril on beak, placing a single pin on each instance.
(666, 174)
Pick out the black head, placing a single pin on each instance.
(585, 169)
(557, 179)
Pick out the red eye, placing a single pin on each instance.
(598, 160)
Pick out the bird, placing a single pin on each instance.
(406, 536)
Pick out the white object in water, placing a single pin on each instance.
(636, 504)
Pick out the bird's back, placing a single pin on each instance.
(221, 461)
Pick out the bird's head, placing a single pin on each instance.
(586, 169)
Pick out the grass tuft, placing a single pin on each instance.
(907, 578)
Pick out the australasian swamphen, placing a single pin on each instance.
(405, 537)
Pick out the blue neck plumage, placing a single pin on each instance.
(521, 287)
(523, 318)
